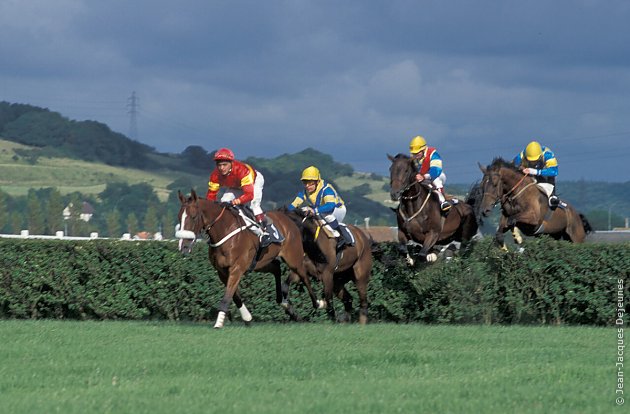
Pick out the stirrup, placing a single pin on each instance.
(445, 205)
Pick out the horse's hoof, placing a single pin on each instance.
(431, 257)
(284, 304)
(362, 319)
(321, 304)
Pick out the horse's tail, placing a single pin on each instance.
(473, 199)
(587, 226)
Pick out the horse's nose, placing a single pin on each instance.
(395, 195)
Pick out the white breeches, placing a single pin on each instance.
(339, 213)
(232, 193)
(439, 182)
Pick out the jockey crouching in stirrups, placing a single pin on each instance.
(243, 185)
(539, 161)
(323, 201)
(428, 166)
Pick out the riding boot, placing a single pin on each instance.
(265, 239)
(445, 206)
(341, 240)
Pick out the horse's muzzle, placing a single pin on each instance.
(395, 195)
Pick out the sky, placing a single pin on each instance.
(355, 79)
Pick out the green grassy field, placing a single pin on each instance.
(18, 175)
(132, 367)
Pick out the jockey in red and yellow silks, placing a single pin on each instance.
(242, 183)
(428, 166)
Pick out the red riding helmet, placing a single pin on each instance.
(224, 154)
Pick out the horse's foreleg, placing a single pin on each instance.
(231, 287)
(327, 303)
(499, 237)
(403, 247)
(429, 241)
(344, 295)
(238, 301)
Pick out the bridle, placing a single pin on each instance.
(412, 184)
(506, 196)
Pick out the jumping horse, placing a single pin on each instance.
(524, 206)
(418, 214)
(234, 250)
(336, 268)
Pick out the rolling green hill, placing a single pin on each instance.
(20, 173)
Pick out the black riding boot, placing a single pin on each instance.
(265, 239)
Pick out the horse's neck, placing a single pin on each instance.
(518, 187)
(417, 197)
(221, 221)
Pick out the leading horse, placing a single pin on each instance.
(418, 214)
(333, 268)
(525, 207)
(234, 250)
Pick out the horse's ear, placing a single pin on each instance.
(181, 197)
(390, 158)
(193, 194)
(481, 167)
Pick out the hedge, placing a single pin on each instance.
(550, 282)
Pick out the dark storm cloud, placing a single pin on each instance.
(355, 79)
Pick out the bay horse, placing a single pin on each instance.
(419, 216)
(525, 207)
(233, 250)
(335, 269)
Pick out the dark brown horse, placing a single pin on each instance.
(525, 207)
(335, 269)
(418, 214)
(234, 249)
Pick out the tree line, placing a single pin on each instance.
(120, 208)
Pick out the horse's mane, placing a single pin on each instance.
(499, 162)
(401, 155)
(311, 248)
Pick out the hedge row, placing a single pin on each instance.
(549, 283)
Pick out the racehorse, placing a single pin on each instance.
(525, 207)
(234, 250)
(418, 214)
(336, 268)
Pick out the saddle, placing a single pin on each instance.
(547, 189)
(246, 213)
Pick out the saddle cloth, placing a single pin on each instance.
(330, 232)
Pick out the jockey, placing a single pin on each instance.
(243, 185)
(428, 166)
(540, 161)
(322, 200)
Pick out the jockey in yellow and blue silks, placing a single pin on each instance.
(540, 162)
(322, 200)
(428, 166)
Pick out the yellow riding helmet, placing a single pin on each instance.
(310, 174)
(417, 144)
(533, 151)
